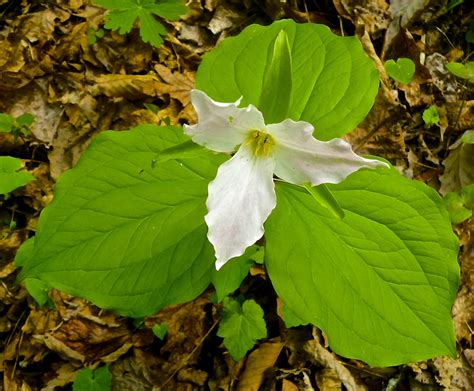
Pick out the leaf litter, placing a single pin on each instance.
(76, 87)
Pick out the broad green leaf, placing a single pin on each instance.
(229, 277)
(25, 252)
(122, 234)
(464, 71)
(10, 178)
(401, 71)
(334, 83)
(241, 326)
(381, 282)
(6, 123)
(38, 290)
(88, 380)
(160, 330)
(290, 318)
(431, 116)
(276, 92)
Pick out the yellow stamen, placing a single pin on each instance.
(261, 143)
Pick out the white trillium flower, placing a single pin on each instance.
(242, 195)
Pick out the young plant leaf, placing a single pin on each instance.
(124, 235)
(124, 13)
(89, 380)
(160, 331)
(381, 282)
(464, 71)
(228, 278)
(241, 326)
(333, 88)
(10, 178)
(401, 71)
(431, 116)
(6, 123)
(455, 205)
(275, 98)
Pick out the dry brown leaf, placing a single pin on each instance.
(259, 361)
(64, 376)
(286, 385)
(458, 165)
(328, 380)
(177, 85)
(319, 354)
(374, 15)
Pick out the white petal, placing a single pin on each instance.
(300, 158)
(222, 127)
(241, 198)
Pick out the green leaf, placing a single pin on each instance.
(230, 276)
(468, 137)
(168, 9)
(241, 326)
(6, 123)
(88, 380)
(151, 30)
(401, 71)
(10, 178)
(123, 235)
(464, 71)
(125, 12)
(334, 83)
(468, 196)
(290, 318)
(160, 330)
(26, 119)
(381, 282)
(25, 252)
(431, 116)
(38, 290)
(455, 206)
(275, 98)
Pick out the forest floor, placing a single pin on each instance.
(77, 83)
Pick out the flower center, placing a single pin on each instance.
(261, 143)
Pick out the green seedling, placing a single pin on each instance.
(402, 70)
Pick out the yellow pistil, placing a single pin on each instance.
(261, 143)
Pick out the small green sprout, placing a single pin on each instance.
(89, 380)
(10, 176)
(401, 71)
(16, 125)
(94, 35)
(431, 116)
(160, 330)
(464, 71)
